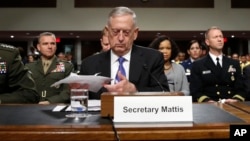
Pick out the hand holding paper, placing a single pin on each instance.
(92, 82)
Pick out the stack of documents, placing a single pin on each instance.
(95, 82)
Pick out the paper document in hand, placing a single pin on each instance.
(95, 82)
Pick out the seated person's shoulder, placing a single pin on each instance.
(184, 62)
(34, 63)
(66, 63)
(232, 61)
(8, 48)
(178, 65)
(197, 63)
(147, 51)
(247, 67)
(96, 57)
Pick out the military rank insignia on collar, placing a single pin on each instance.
(3, 68)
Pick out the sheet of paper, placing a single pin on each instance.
(93, 105)
(95, 82)
(89, 109)
(59, 108)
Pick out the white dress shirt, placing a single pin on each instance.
(115, 64)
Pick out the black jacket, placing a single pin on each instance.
(206, 82)
(144, 61)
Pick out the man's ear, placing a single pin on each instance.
(135, 34)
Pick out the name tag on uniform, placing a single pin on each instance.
(206, 72)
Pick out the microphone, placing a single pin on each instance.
(145, 66)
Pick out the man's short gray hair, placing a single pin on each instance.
(46, 34)
(118, 11)
(209, 29)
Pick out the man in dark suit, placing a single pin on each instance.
(143, 66)
(246, 75)
(216, 77)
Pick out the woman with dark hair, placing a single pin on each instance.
(31, 58)
(174, 72)
(194, 51)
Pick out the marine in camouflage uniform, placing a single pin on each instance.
(16, 83)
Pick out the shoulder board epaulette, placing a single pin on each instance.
(7, 46)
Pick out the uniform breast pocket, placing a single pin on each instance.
(207, 76)
(36, 76)
(56, 76)
(2, 79)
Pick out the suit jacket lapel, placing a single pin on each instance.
(40, 66)
(136, 64)
(210, 65)
(104, 65)
(51, 67)
(225, 64)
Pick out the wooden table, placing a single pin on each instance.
(38, 122)
(244, 106)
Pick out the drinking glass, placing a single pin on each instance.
(79, 103)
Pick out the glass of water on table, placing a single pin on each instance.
(78, 103)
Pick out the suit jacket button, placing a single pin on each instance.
(229, 92)
(218, 93)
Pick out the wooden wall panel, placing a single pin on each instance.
(27, 3)
(146, 3)
(240, 3)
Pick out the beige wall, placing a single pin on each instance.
(66, 17)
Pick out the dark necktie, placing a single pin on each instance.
(120, 68)
(218, 63)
